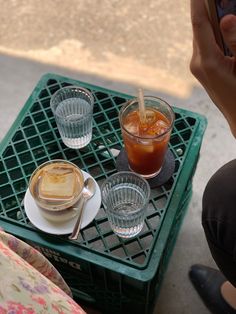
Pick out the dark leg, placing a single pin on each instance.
(219, 219)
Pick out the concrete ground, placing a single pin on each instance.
(120, 45)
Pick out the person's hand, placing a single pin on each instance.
(216, 72)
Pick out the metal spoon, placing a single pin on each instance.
(87, 192)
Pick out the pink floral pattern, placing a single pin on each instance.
(29, 283)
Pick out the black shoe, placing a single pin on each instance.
(208, 281)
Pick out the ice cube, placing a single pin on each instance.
(150, 116)
(146, 146)
(144, 142)
(57, 183)
(132, 128)
(158, 128)
(162, 126)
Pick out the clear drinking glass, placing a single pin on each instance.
(125, 196)
(72, 107)
(146, 143)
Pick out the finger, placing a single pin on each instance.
(228, 29)
(202, 29)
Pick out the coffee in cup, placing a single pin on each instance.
(56, 187)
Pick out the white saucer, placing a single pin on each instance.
(36, 218)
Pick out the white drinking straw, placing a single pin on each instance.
(141, 106)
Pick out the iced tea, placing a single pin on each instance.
(146, 143)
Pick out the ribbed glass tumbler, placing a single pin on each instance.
(72, 107)
(125, 196)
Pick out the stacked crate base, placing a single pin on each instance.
(106, 289)
(102, 269)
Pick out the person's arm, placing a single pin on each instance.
(216, 72)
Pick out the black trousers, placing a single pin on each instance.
(219, 219)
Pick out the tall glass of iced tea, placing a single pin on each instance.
(146, 141)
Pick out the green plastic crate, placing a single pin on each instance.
(100, 267)
(107, 289)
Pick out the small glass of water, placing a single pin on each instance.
(125, 196)
(72, 107)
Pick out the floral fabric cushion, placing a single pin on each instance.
(29, 283)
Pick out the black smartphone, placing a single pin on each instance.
(217, 9)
